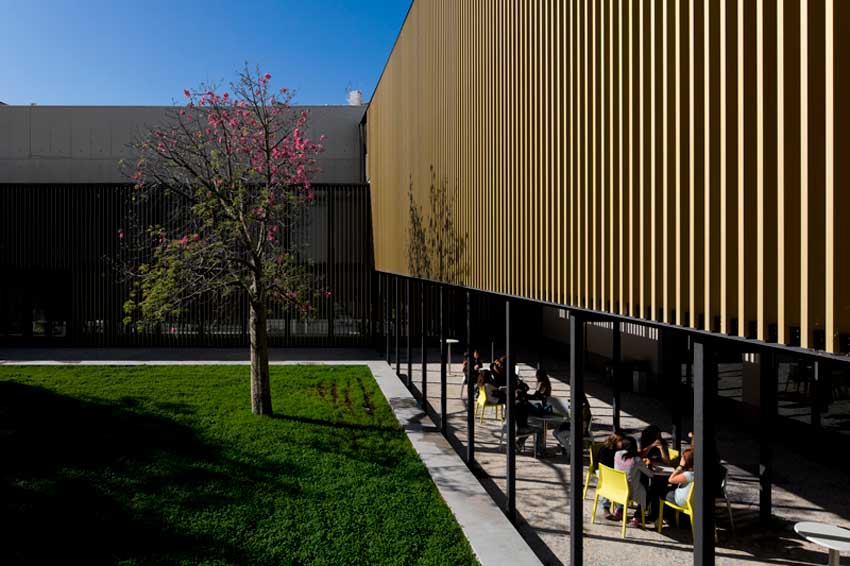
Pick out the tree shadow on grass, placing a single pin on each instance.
(93, 483)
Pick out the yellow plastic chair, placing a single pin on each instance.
(483, 403)
(593, 467)
(687, 509)
(674, 455)
(614, 486)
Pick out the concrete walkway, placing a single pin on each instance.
(493, 539)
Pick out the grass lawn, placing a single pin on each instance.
(166, 465)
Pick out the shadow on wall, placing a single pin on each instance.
(436, 245)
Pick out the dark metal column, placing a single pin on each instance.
(397, 324)
(470, 386)
(668, 347)
(387, 314)
(510, 408)
(576, 440)
(443, 410)
(767, 409)
(424, 350)
(408, 341)
(815, 392)
(705, 460)
(617, 361)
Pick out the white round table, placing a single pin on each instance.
(836, 539)
(449, 342)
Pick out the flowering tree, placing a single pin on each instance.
(239, 167)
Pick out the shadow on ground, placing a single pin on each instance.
(82, 482)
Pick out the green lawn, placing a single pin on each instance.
(166, 465)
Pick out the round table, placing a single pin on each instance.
(836, 539)
(449, 342)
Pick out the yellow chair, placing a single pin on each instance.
(614, 486)
(687, 509)
(674, 455)
(593, 467)
(483, 403)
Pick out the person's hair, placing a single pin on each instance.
(688, 456)
(649, 435)
(543, 377)
(630, 447)
(482, 379)
(614, 437)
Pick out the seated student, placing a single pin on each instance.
(544, 387)
(627, 460)
(476, 365)
(683, 479)
(500, 371)
(610, 447)
(494, 394)
(605, 456)
(653, 447)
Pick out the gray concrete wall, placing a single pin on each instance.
(83, 144)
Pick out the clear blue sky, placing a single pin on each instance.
(145, 52)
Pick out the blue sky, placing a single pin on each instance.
(145, 52)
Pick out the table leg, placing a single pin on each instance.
(834, 558)
(449, 361)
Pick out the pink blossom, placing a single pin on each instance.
(186, 93)
(267, 76)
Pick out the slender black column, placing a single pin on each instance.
(816, 395)
(387, 315)
(576, 440)
(668, 346)
(510, 407)
(767, 409)
(617, 361)
(424, 351)
(470, 386)
(443, 417)
(409, 340)
(705, 460)
(397, 324)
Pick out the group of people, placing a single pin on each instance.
(636, 458)
(529, 401)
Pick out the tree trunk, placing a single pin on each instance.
(261, 395)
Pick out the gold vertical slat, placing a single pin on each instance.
(760, 168)
(741, 235)
(623, 223)
(723, 223)
(641, 169)
(653, 156)
(782, 335)
(804, 174)
(830, 175)
(665, 237)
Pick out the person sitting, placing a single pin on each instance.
(544, 388)
(653, 447)
(629, 461)
(605, 456)
(494, 394)
(476, 365)
(682, 479)
(610, 447)
(500, 371)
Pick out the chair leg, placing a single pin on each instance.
(660, 520)
(625, 515)
(595, 503)
(483, 410)
(729, 509)
(586, 483)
